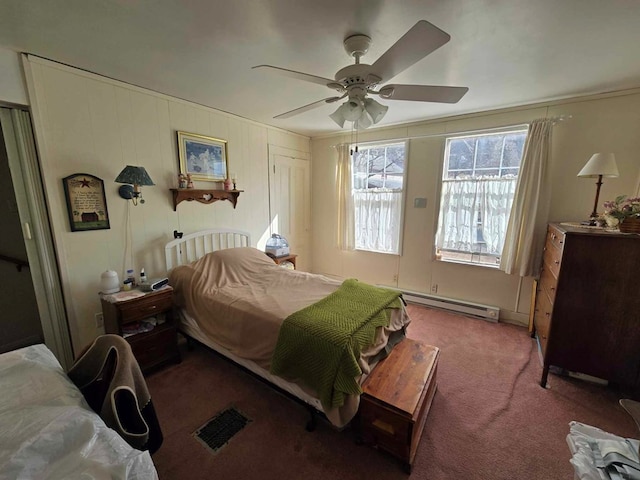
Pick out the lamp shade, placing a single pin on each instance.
(338, 117)
(600, 164)
(375, 109)
(364, 121)
(351, 110)
(134, 176)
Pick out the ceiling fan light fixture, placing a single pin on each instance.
(338, 117)
(352, 110)
(364, 121)
(376, 110)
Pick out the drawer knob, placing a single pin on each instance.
(557, 262)
(547, 314)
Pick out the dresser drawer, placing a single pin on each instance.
(552, 259)
(144, 308)
(548, 282)
(542, 318)
(555, 237)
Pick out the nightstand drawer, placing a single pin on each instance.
(144, 308)
(155, 347)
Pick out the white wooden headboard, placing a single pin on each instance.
(191, 247)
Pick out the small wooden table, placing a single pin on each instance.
(397, 398)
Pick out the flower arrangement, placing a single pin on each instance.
(622, 207)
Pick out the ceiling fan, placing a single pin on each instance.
(356, 82)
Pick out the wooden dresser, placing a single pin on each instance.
(587, 309)
(397, 398)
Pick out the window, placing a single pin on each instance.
(378, 185)
(478, 187)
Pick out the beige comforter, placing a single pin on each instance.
(239, 298)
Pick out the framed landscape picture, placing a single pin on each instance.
(86, 202)
(204, 158)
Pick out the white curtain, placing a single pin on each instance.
(522, 251)
(344, 195)
(474, 214)
(377, 219)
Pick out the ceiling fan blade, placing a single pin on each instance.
(298, 75)
(423, 93)
(310, 106)
(421, 39)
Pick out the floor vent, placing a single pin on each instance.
(486, 312)
(217, 432)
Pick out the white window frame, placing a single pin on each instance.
(439, 253)
(356, 150)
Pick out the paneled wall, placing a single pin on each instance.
(605, 123)
(85, 123)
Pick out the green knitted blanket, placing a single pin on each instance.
(320, 345)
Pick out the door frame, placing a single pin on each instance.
(34, 218)
(278, 151)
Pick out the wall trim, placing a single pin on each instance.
(112, 81)
(498, 111)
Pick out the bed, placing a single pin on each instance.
(234, 299)
(47, 429)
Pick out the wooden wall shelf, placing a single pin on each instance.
(204, 195)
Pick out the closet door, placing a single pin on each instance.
(290, 200)
(25, 173)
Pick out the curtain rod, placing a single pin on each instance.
(557, 119)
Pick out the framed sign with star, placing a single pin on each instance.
(86, 203)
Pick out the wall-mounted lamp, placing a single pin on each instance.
(133, 178)
(599, 165)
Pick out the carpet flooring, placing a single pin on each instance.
(490, 419)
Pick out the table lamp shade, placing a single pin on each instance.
(600, 164)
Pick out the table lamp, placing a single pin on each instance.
(599, 165)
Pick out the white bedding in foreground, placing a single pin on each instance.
(47, 430)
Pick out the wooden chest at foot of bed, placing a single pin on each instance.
(396, 399)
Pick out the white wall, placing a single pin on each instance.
(90, 124)
(12, 86)
(599, 124)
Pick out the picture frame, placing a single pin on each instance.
(86, 202)
(204, 158)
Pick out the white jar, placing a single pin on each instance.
(109, 282)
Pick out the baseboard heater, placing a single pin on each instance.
(486, 312)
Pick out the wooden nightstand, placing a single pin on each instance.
(287, 258)
(155, 347)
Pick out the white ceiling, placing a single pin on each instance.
(508, 52)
